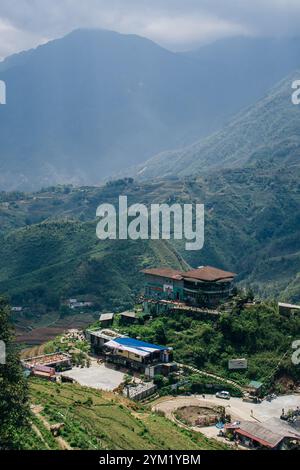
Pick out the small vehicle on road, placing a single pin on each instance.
(271, 397)
(225, 395)
(251, 399)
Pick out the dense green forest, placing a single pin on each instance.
(46, 263)
(49, 248)
(259, 334)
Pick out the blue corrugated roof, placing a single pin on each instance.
(135, 343)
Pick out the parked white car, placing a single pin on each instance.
(225, 395)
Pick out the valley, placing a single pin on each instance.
(50, 252)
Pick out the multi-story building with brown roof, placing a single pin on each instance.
(204, 286)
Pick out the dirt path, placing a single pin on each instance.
(63, 444)
(39, 434)
(214, 376)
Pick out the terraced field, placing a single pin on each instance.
(100, 420)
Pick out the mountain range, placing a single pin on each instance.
(268, 130)
(246, 173)
(91, 104)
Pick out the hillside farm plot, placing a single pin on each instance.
(99, 376)
(95, 419)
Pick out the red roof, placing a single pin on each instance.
(260, 433)
(164, 272)
(46, 369)
(205, 273)
(208, 273)
(258, 439)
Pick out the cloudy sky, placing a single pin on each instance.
(175, 24)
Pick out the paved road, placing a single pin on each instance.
(100, 376)
(239, 409)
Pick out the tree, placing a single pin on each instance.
(158, 380)
(14, 405)
(160, 335)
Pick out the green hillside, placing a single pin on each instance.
(104, 421)
(51, 261)
(267, 131)
(258, 333)
(251, 226)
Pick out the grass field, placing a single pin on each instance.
(100, 420)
